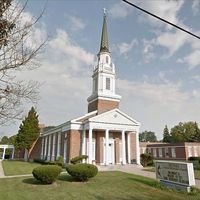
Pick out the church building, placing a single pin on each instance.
(106, 134)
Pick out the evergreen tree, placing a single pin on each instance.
(166, 135)
(28, 131)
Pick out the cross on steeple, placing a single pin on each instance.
(104, 11)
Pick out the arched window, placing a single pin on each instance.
(107, 59)
(107, 83)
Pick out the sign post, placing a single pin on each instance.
(178, 175)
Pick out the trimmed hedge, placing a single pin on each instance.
(82, 171)
(39, 160)
(192, 158)
(60, 161)
(46, 173)
(78, 159)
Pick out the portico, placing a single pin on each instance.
(111, 139)
(4, 147)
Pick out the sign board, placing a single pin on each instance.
(180, 173)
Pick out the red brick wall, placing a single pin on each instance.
(75, 143)
(36, 151)
(102, 105)
(133, 146)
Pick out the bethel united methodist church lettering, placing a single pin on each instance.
(106, 134)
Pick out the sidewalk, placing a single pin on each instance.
(1, 170)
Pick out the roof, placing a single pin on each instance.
(104, 37)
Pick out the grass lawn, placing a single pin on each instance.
(18, 167)
(105, 186)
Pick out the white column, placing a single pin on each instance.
(123, 148)
(58, 145)
(106, 146)
(42, 150)
(137, 147)
(65, 149)
(53, 148)
(49, 147)
(45, 154)
(13, 153)
(4, 152)
(129, 148)
(90, 146)
(83, 141)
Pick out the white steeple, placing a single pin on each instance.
(104, 72)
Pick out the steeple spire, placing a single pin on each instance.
(104, 37)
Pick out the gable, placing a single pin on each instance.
(114, 116)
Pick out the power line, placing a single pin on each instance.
(149, 13)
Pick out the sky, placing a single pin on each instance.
(157, 66)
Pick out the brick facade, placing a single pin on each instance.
(173, 151)
(102, 105)
(74, 143)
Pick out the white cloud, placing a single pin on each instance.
(163, 8)
(173, 41)
(120, 10)
(193, 59)
(196, 6)
(148, 50)
(76, 23)
(124, 47)
(156, 105)
(163, 94)
(63, 44)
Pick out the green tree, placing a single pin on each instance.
(186, 132)
(4, 140)
(28, 131)
(166, 135)
(147, 136)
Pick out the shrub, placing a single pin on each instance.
(48, 162)
(60, 161)
(78, 159)
(82, 171)
(46, 173)
(192, 158)
(38, 160)
(146, 159)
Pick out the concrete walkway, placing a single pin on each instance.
(1, 170)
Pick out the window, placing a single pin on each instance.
(154, 153)
(195, 151)
(160, 152)
(95, 84)
(107, 83)
(166, 152)
(107, 59)
(173, 152)
(189, 151)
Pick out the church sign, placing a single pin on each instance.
(178, 175)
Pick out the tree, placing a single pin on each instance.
(28, 131)
(4, 140)
(147, 136)
(16, 54)
(8, 140)
(185, 132)
(166, 135)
